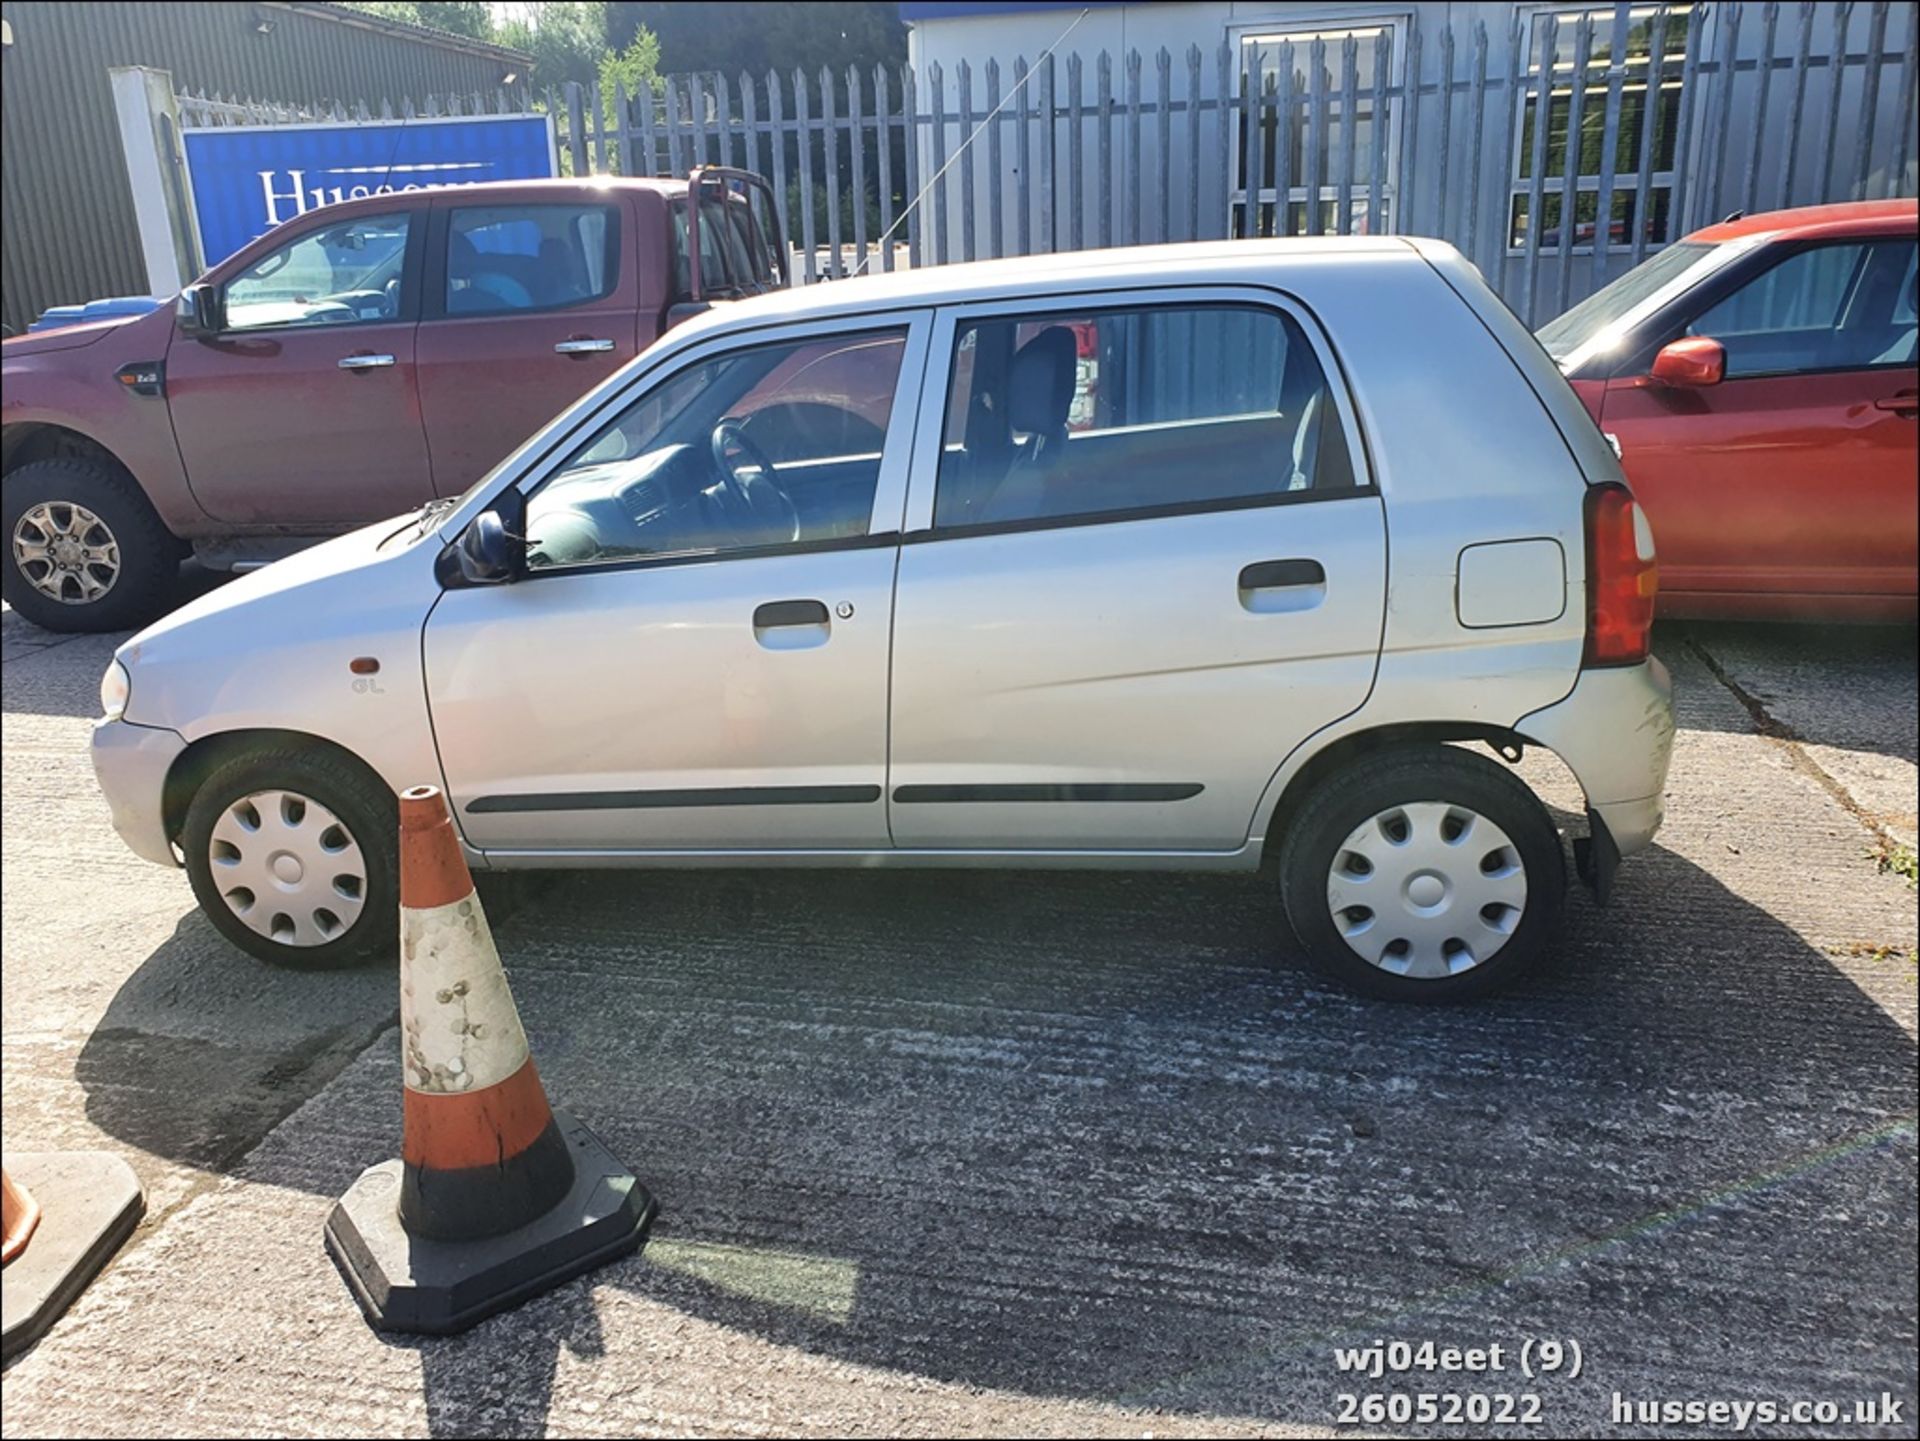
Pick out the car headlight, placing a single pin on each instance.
(115, 686)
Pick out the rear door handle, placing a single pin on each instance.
(583, 345)
(1273, 574)
(1907, 404)
(364, 362)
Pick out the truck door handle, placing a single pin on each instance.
(364, 361)
(1905, 403)
(583, 345)
(1273, 574)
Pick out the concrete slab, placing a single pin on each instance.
(956, 1153)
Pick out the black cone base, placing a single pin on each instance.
(407, 1283)
(90, 1201)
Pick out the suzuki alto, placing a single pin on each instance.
(1168, 557)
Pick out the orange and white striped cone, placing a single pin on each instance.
(496, 1197)
(19, 1214)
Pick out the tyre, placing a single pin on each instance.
(292, 853)
(1424, 873)
(85, 550)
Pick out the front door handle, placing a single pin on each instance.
(364, 361)
(1906, 403)
(583, 345)
(791, 624)
(1273, 574)
(778, 613)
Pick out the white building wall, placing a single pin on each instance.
(1716, 163)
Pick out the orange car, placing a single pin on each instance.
(1758, 381)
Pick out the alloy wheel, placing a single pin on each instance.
(66, 552)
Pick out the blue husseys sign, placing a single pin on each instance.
(247, 179)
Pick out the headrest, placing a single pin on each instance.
(462, 255)
(1040, 382)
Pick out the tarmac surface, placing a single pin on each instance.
(999, 1153)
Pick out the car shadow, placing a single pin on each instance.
(1843, 685)
(1105, 1137)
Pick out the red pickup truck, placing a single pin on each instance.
(354, 363)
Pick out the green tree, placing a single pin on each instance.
(638, 64)
(759, 37)
(470, 18)
(567, 39)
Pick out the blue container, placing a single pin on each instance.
(120, 305)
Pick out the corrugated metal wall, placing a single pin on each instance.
(66, 212)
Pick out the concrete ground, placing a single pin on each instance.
(1032, 1154)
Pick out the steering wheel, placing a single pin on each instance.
(753, 492)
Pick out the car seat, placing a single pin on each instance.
(1040, 385)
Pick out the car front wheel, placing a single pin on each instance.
(291, 853)
(1424, 874)
(85, 551)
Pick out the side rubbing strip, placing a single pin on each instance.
(667, 800)
(961, 795)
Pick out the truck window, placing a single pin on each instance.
(343, 274)
(530, 257)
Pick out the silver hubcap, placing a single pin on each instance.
(1427, 890)
(66, 552)
(288, 867)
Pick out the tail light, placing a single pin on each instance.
(1622, 578)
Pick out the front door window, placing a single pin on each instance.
(344, 274)
(1829, 308)
(777, 445)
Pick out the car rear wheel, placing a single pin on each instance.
(1424, 874)
(84, 549)
(292, 856)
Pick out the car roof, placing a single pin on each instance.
(1810, 222)
(1216, 262)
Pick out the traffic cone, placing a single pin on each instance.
(65, 1213)
(496, 1197)
(19, 1214)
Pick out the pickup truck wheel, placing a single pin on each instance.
(85, 551)
(292, 855)
(1424, 874)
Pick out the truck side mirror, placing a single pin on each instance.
(199, 312)
(1691, 362)
(490, 554)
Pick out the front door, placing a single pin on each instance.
(529, 307)
(1795, 474)
(305, 411)
(1149, 566)
(696, 659)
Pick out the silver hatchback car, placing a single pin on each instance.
(1162, 557)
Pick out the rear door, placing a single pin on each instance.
(528, 307)
(305, 410)
(1795, 474)
(1143, 562)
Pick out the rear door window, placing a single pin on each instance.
(506, 258)
(1100, 413)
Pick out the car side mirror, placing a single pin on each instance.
(199, 312)
(1691, 362)
(490, 554)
